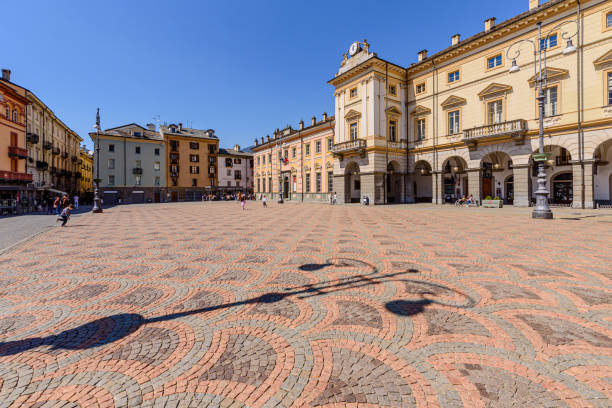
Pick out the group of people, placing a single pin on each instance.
(62, 207)
(466, 201)
(333, 198)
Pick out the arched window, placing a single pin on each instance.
(15, 115)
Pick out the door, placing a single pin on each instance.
(487, 189)
(174, 196)
(510, 190)
(156, 197)
(286, 187)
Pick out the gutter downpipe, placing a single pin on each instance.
(406, 180)
(579, 60)
(386, 184)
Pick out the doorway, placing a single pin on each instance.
(563, 191)
(174, 196)
(487, 188)
(510, 190)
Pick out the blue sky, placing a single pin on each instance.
(241, 68)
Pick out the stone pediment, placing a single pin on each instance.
(550, 73)
(604, 59)
(307, 168)
(393, 111)
(453, 101)
(420, 110)
(352, 114)
(494, 89)
(329, 165)
(318, 166)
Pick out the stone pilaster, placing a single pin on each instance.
(368, 187)
(474, 184)
(339, 188)
(437, 188)
(577, 170)
(409, 188)
(521, 185)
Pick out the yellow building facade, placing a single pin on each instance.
(86, 162)
(458, 122)
(297, 163)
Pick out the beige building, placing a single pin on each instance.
(297, 162)
(235, 170)
(192, 162)
(458, 122)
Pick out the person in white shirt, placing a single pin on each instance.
(76, 202)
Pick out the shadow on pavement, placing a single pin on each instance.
(112, 328)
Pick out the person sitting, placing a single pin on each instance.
(470, 200)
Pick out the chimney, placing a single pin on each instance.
(422, 55)
(237, 147)
(489, 23)
(455, 39)
(534, 4)
(151, 127)
(256, 142)
(180, 127)
(301, 124)
(324, 116)
(262, 140)
(6, 74)
(314, 120)
(268, 138)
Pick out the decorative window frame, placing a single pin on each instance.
(607, 87)
(501, 99)
(604, 19)
(351, 89)
(494, 55)
(448, 112)
(450, 71)
(551, 84)
(416, 87)
(416, 128)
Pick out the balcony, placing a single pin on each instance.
(32, 138)
(78, 174)
(42, 165)
(74, 159)
(56, 151)
(514, 128)
(18, 152)
(53, 170)
(397, 145)
(351, 146)
(67, 174)
(80, 161)
(65, 155)
(137, 170)
(47, 145)
(237, 177)
(14, 177)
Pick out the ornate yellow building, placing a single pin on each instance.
(297, 162)
(459, 122)
(86, 162)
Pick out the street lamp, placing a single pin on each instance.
(541, 210)
(97, 208)
(280, 174)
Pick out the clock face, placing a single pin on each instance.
(354, 48)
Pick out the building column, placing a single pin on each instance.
(437, 187)
(409, 196)
(474, 184)
(368, 187)
(339, 188)
(402, 189)
(577, 172)
(521, 175)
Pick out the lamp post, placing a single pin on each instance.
(541, 210)
(97, 208)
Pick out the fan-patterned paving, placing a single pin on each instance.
(309, 305)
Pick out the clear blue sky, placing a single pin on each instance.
(241, 68)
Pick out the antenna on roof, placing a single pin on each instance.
(157, 118)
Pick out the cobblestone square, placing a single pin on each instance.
(203, 304)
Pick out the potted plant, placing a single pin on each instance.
(489, 202)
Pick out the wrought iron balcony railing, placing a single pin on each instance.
(32, 138)
(19, 152)
(137, 170)
(12, 176)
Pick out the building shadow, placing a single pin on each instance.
(109, 329)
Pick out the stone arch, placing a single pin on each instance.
(602, 172)
(568, 142)
(454, 178)
(393, 182)
(561, 188)
(496, 166)
(518, 153)
(352, 182)
(422, 181)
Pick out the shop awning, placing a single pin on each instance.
(53, 190)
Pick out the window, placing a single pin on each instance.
(194, 158)
(420, 88)
(286, 154)
(318, 182)
(495, 61)
(157, 180)
(318, 146)
(111, 180)
(156, 165)
(330, 181)
(420, 129)
(138, 180)
(137, 134)
(258, 161)
(15, 115)
(453, 122)
(263, 158)
(263, 184)
(111, 163)
(294, 152)
(211, 160)
(270, 183)
(453, 77)
(494, 112)
(194, 145)
(229, 172)
(330, 144)
(610, 85)
(237, 175)
(137, 149)
(157, 151)
(194, 182)
(392, 89)
(550, 101)
(392, 131)
(174, 157)
(194, 169)
(307, 149)
(308, 182)
(211, 149)
(353, 131)
(137, 163)
(258, 185)
(111, 147)
(353, 92)
(552, 42)
(609, 20)
(237, 183)
(174, 170)
(7, 112)
(237, 161)
(174, 145)
(270, 158)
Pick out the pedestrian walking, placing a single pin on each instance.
(330, 198)
(76, 202)
(243, 202)
(64, 203)
(335, 198)
(65, 215)
(264, 200)
(56, 205)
